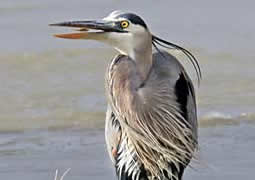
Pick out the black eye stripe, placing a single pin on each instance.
(133, 19)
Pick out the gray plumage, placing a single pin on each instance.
(151, 119)
(146, 122)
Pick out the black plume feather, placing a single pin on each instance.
(163, 43)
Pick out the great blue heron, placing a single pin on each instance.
(151, 120)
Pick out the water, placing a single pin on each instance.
(52, 94)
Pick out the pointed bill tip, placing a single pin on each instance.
(60, 24)
(67, 24)
(55, 24)
(78, 24)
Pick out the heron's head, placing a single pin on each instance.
(124, 31)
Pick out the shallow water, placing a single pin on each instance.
(225, 153)
(52, 94)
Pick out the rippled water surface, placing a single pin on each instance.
(52, 99)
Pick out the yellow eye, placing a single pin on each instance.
(124, 24)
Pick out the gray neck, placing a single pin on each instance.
(142, 55)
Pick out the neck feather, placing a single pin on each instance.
(142, 55)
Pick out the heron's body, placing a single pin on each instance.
(151, 120)
(166, 78)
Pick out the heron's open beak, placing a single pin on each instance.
(88, 29)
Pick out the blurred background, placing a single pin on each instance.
(52, 103)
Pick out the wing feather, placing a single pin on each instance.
(150, 116)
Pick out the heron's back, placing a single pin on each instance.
(168, 67)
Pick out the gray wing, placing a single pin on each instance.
(157, 117)
(181, 83)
